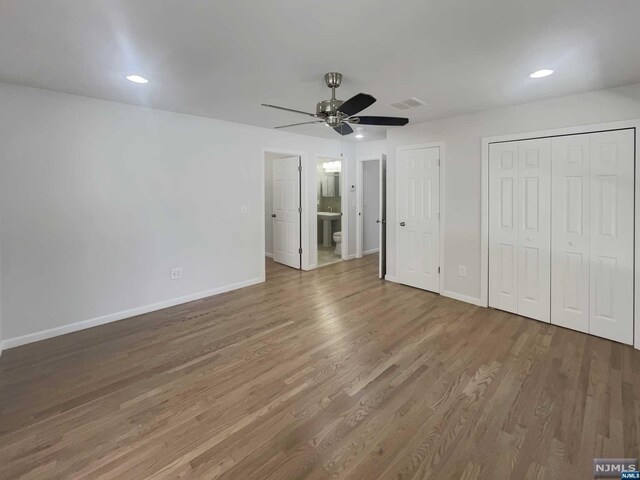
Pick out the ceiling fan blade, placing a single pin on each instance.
(296, 124)
(344, 129)
(357, 104)
(384, 121)
(290, 110)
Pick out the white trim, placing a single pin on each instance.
(463, 298)
(441, 180)
(268, 254)
(360, 202)
(484, 208)
(113, 317)
(304, 220)
(391, 278)
(369, 252)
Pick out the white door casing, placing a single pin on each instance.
(503, 226)
(570, 232)
(534, 228)
(382, 217)
(286, 206)
(612, 235)
(418, 229)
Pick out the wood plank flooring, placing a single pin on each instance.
(330, 374)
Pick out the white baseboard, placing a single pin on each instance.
(269, 255)
(369, 252)
(351, 257)
(113, 317)
(391, 278)
(463, 298)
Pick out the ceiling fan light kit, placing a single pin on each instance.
(339, 114)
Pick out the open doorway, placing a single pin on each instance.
(371, 228)
(283, 209)
(370, 204)
(330, 197)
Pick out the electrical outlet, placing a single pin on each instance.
(244, 209)
(462, 271)
(176, 273)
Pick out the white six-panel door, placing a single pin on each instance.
(503, 226)
(286, 215)
(418, 251)
(570, 232)
(612, 230)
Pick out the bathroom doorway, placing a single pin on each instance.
(331, 223)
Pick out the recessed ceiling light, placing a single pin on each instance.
(545, 72)
(137, 79)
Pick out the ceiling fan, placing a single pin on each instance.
(339, 114)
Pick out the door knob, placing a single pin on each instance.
(402, 224)
(273, 215)
(377, 221)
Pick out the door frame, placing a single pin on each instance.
(312, 227)
(557, 132)
(360, 202)
(304, 217)
(441, 180)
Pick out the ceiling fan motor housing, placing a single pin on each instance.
(327, 107)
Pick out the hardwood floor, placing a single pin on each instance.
(317, 375)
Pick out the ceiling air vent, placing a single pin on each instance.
(412, 102)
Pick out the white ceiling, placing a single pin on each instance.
(222, 58)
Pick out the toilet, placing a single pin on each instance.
(337, 237)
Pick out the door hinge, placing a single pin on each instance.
(299, 209)
(300, 250)
(299, 168)
(438, 269)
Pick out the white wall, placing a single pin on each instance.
(370, 150)
(371, 200)
(99, 200)
(462, 165)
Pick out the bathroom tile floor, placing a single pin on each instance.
(327, 256)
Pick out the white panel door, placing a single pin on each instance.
(534, 229)
(570, 232)
(286, 215)
(419, 218)
(612, 234)
(503, 226)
